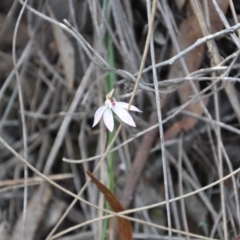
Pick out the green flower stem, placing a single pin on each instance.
(110, 80)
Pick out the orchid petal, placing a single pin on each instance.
(125, 105)
(124, 115)
(98, 114)
(108, 119)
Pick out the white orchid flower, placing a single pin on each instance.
(119, 108)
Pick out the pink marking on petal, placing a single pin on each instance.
(113, 101)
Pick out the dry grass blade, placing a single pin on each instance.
(35, 180)
(66, 51)
(180, 88)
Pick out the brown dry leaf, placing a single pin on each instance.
(35, 213)
(124, 225)
(66, 51)
(190, 32)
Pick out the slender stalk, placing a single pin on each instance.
(159, 114)
(24, 129)
(110, 80)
